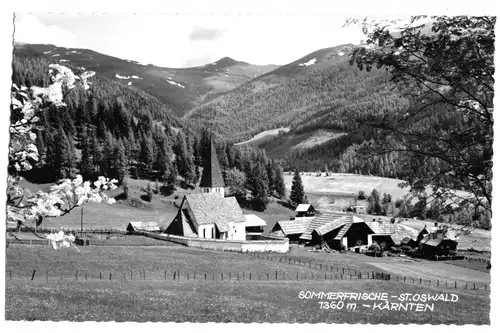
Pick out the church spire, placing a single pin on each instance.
(211, 179)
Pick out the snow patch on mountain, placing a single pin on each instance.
(341, 53)
(130, 83)
(63, 60)
(124, 77)
(175, 83)
(309, 63)
(56, 55)
(47, 52)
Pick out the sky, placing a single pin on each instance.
(181, 40)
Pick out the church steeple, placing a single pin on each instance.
(211, 179)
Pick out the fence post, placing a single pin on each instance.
(10, 274)
(222, 276)
(268, 276)
(110, 275)
(250, 275)
(455, 284)
(474, 286)
(76, 275)
(420, 280)
(438, 283)
(165, 274)
(205, 276)
(100, 275)
(85, 275)
(276, 275)
(229, 275)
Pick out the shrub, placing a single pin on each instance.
(135, 202)
(374, 247)
(361, 195)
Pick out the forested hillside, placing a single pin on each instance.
(120, 131)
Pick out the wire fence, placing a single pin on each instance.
(348, 271)
(178, 275)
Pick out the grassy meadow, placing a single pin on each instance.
(150, 297)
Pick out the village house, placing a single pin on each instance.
(437, 241)
(254, 225)
(209, 214)
(305, 210)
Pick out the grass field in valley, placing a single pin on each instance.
(156, 299)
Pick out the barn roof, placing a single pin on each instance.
(144, 226)
(252, 220)
(379, 228)
(211, 176)
(211, 208)
(323, 219)
(294, 227)
(318, 221)
(302, 208)
(333, 224)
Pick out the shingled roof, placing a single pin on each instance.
(322, 219)
(211, 208)
(333, 224)
(211, 176)
(294, 227)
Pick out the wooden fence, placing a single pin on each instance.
(178, 275)
(349, 272)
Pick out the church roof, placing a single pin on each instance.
(211, 208)
(212, 176)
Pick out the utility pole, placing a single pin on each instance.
(81, 223)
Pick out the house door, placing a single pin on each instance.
(204, 236)
(213, 232)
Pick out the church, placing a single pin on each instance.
(209, 214)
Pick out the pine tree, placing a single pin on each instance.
(87, 162)
(121, 161)
(279, 182)
(259, 187)
(297, 194)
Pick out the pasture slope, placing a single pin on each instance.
(136, 284)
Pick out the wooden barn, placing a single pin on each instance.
(208, 215)
(292, 229)
(350, 232)
(439, 242)
(305, 210)
(317, 222)
(143, 226)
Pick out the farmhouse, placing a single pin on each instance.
(143, 226)
(254, 225)
(348, 231)
(437, 241)
(292, 229)
(304, 210)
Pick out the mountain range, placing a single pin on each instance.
(179, 88)
(316, 98)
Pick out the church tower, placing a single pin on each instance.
(211, 179)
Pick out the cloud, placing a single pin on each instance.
(205, 34)
(29, 29)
